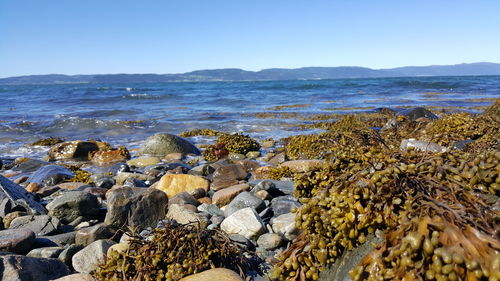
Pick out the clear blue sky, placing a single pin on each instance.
(170, 36)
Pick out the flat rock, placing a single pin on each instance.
(22, 268)
(244, 200)
(62, 239)
(50, 175)
(285, 225)
(18, 196)
(219, 274)
(245, 222)
(302, 166)
(224, 196)
(182, 214)
(163, 144)
(422, 145)
(269, 241)
(86, 260)
(173, 184)
(40, 225)
(17, 241)
(73, 204)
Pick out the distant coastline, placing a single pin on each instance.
(271, 74)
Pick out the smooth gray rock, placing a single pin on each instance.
(50, 175)
(40, 225)
(67, 254)
(244, 200)
(419, 112)
(73, 204)
(269, 241)
(22, 268)
(286, 187)
(210, 209)
(62, 239)
(19, 241)
(45, 252)
(285, 226)
(182, 214)
(18, 196)
(88, 235)
(283, 205)
(163, 144)
(245, 222)
(86, 260)
(422, 145)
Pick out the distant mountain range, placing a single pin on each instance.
(235, 74)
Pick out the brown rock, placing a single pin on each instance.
(32, 187)
(17, 240)
(108, 157)
(302, 166)
(71, 185)
(224, 196)
(278, 159)
(20, 180)
(219, 274)
(221, 183)
(173, 157)
(232, 171)
(172, 184)
(72, 149)
(248, 165)
(205, 200)
(262, 172)
(144, 161)
(11, 216)
(87, 235)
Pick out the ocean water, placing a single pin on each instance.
(128, 113)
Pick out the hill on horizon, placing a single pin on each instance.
(271, 74)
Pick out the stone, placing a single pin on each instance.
(244, 200)
(263, 194)
(40, 225)
(253, 154)
(45, 252)
(61, 239)
(422, 145)
(278, 159)
(19, 197)
(242, 241)
(87, 259)
(285, 225)
(110, 157)
(73, 204)
(245, 222)
(269, 241)
(119, 248)
(268, 143)
(29, 165)
(71, 185)
(11, 216)
(183, 215)
(173, 184)
(143, 161)
(77, 277)
(72, 150)
(123, 176)
(163, 144)
(262, 172)
(219, 274)
(224, 196)
(184, 198)
(173, 157)
(33, 187)
(303, 166)
(236, 156)
(248, 165)
(137, 211)
(67, 254)
(17, 241)
(222, 183)
(210, 209)
(285, 187)
(228, 174)
(50, 175)
(419, 112)
(22, 268)
(284, 204)
(104, 182)
(48, 190)
(198, 193)
(88, 235)
(268, 186)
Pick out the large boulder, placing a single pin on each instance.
(163, 144)
(86, 260)
(245, 222)
(219, 274)
(73, 204)
(72, 150)
(172, 184)
(138, 211)
(17, 241)
(21, 268)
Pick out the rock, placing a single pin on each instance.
(40, 225)
(17, 196)
(11, 216)
(461, 145)
(236, 156)
(224, 196)
(21, 268)
(285, 187)
(138, 211)
(245, 222)
(347, 262)
(269, 241)
(77, 277)
(163, 144)
(50, 175)
(264, 195)
(422, 145)
(46, 252)
(198, 193)
(228, 175)
(88, 235)
(72, 150)
(244, 200)
(73, 204)
(143, 161)
(105, 182)
(33, 187)
(173, 157)
(67, 254)
(61, 239)
(284, 204)
(219, 274)
(262, 172)
(210, 209)
(86, 260)
(123, 176)
(269, 186)
(184, 198)
(182, 214)
(71, 185)
(303, 166)
(206, 200)
(173, 184)
(248, 165)
(109, 157)
(253, 154)
(242, 241)
(222, 183)
(285, 225)
(268, 143)
(419, 112)
(29, 165)
(278, 159)
(119, 247)
(48, 190)
(17, 241)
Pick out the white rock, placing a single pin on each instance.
(422, 145)
(86, 260)
(245, 222)
(285, 225)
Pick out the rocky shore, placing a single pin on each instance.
(375, 196)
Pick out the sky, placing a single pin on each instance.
(174, 36)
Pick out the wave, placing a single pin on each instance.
(146, 96)
(428, 84)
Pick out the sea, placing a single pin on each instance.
(127, 113)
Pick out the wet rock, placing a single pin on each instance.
(73, 204)
(50, 175)
(17, 241)
(21, 268)
(284, 204)
(245, 222)
(18, 197)
(422, 145)
(109, 157)
(72, 150)
(253, 154)
(163, 144)
(262, 173)
(182, 214)
(236, 156)
(77, 277)
(29, 165)
(40, 225)
(138, 211)
(219, 274)
(285, 225)
(123, 176)
(134, 183)
(183, 198)
(105, 182)
(303, 166)
(88, 235)
(144, 161)
(271, 188)
(174, 184)
(86, 260)
(228, 175)
(173, 157)
(224, 196)
(48, 190)
(269, 241)
(419, 112)
(123, 168)
(244, 200)
(46, 252)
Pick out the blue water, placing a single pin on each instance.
(128, 113)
